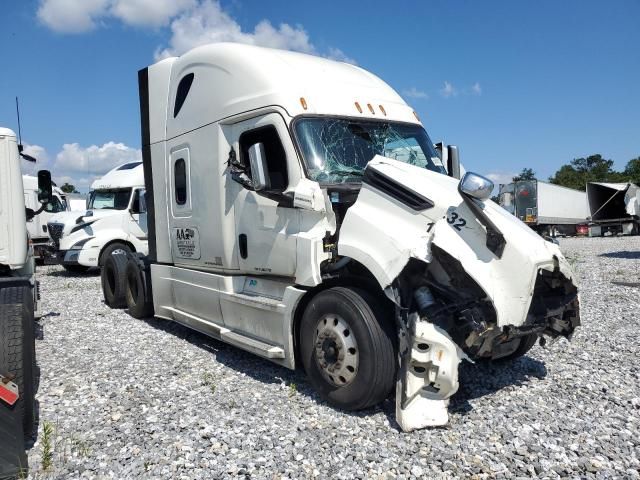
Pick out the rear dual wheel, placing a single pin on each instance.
(347, 344)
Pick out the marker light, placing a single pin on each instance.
(303, 102)
(358, 107)
(416, 115)
(371, 108)
(382, 110)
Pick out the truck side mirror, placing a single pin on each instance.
(259, 170)
(45, 187)
(453, 161)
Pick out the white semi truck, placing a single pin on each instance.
(37, 226)
(115, 220)
(277, 223)
(18, 307)
(547, 208)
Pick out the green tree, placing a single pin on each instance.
(68, 188)
(580, 171)
(632, 171)
(525, 174)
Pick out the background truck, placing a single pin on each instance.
(614, 208)
(279, 224)
(37, 226)
(547, 208)
(115, 220)
(18, 307)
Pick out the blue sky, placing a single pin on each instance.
(513, 84)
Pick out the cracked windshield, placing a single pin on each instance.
(337, 150)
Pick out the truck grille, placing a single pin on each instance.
(55, 232)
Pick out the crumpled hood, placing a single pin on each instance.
(402, 232)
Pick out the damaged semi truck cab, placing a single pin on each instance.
(299, 210)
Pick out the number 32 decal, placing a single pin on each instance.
(455, 220)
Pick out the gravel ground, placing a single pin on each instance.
(125, 398)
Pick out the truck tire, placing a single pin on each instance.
(114, 280)
(18, 350)
(526, 343)
(138, 289)
(347, 345)
(114, 248)
(76, 269)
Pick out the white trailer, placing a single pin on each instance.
(115, 220)
(278, 224)
(614, 208)
(18, 308)
(37, 226)
(547, 208)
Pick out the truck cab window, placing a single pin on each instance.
(114, 199)
(54, 206)
(180, 179)
(274, 151)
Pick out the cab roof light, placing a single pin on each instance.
(358, 107)
(371, 108)
(384, 112)
(416, 115)
(303, 102)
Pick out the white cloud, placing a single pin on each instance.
(192, 23)
(339, 55)
(71, 16)
(413, 92)
(94, 160)
(208, 23)
(448, 90)
(476, 89)
(152, 13)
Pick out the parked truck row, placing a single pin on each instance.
(295, 207)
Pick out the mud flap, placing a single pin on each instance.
(428, 376)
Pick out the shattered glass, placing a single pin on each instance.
(337, 150)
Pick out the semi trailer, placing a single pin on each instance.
(297, 209)
(115, 220)
(547, 208)
(37, 226)
(18, 308)
(614, 208)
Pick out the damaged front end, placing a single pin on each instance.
(443, 322)
(469, 281)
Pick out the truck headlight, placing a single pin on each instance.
(476, 186)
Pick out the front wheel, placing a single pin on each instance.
(347, 344)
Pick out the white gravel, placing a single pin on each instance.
(151, 399)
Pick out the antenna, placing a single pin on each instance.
(28, 158)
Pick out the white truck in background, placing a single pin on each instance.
(18, 307)
(278, 224)
(614, 208)
(37, 226)
(115, 220)
(549, 209)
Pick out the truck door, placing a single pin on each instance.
(266, 225)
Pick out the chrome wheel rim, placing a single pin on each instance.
(336, 350)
